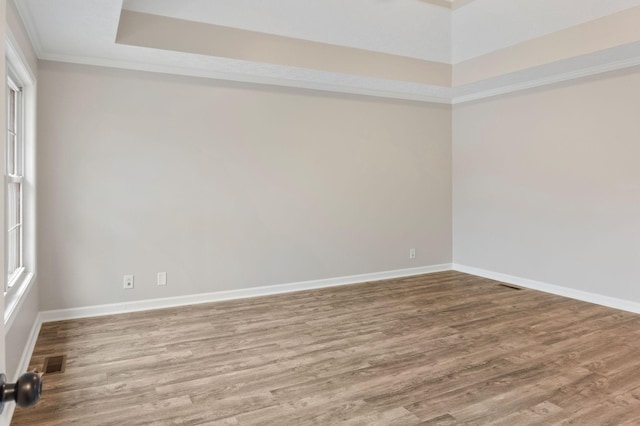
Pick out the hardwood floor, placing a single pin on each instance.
(438, 349)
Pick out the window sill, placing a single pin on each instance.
(15, 297)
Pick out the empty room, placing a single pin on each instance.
(320, 212)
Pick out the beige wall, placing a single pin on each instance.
(547, 184)
(227, 186)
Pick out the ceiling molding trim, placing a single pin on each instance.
(456, 4)
(337, 88)
(16, 58)
(558, 78)
(255, 79)
(32, 33)
(447, 4)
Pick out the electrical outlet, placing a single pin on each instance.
(128, 281)
(162, 278)
(412, 253)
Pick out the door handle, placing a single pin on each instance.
(25, 392)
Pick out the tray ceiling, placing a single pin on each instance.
(428, 50)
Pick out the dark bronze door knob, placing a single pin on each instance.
(25, 392)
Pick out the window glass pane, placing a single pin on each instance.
(12, 205)
(11, 119)
(18, 209)
(11, 262)
(14, 236)
(18, 247)
(13, 254)
(11, 154)
(19, 147)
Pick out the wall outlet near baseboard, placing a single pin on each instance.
(128, 281)
(412, 253)
(162, 278)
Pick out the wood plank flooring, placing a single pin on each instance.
(439, 349)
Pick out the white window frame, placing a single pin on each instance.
(17, 286)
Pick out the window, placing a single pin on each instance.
(19, 180)
(15, 178)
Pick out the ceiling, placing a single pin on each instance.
(430, 50)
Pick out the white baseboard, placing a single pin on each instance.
(585, 296)
(169, 302)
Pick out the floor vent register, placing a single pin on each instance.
(54, 364)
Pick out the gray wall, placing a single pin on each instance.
(228, 186)
(547, 184)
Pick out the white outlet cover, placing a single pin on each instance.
(162, 278)
(128, 281)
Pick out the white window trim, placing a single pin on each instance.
(22, 282)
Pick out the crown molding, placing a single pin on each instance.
(442, 3)
(455, 4)
(358, 86)
(448, 95)
(29, 26)
(557, 78)
(449, 98)
(448, 4)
